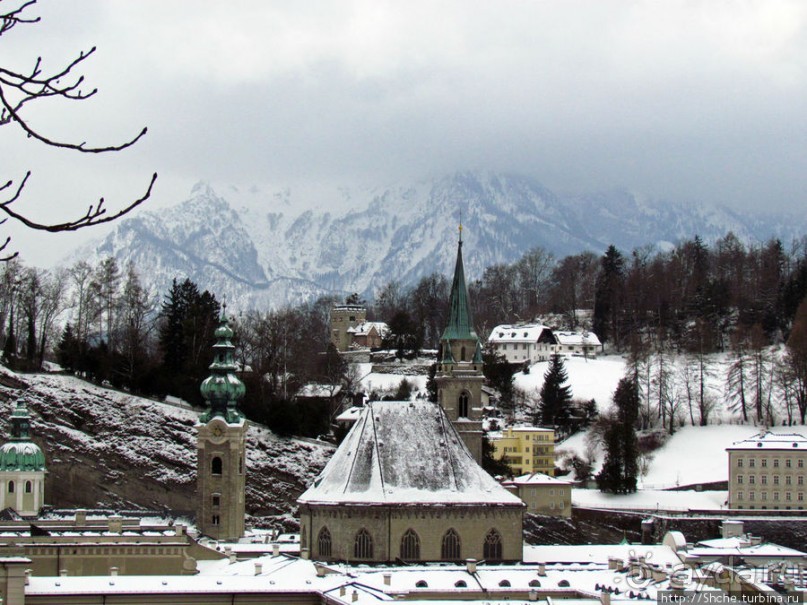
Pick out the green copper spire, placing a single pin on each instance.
(21, 454)
(223, 390)
(460, 324)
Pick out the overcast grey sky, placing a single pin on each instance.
(699, 100)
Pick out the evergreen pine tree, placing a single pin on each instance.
(621, 467)
(556, 395)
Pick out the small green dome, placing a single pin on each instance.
(21, 456)
(222, 390)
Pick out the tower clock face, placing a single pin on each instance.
(217, 430)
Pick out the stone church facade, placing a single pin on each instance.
(406, 484)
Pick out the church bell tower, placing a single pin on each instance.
(459, 372)
(221, 445)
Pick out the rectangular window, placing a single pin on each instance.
(739, 462)
(787, 463)
(787, 496)
(800, 480)
(764, 479)
(751, 496)
(801, 463)
(751, 462)
(776, 463)
(752, 479)
(740, 479)
(764, 495)
(787, 480)
(801, 496)
(764, 463)
(739, 495)
(776, 479)
(215, 519)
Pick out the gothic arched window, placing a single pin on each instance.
(215, 466)
(451, 546)
(410, 546)
(363, 545)
(492, 550)
(324, 543)
(464, 407)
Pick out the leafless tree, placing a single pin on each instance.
(21, 89)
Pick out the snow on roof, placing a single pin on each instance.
(577, 338)
(742, 546)
(772, 441)
(363, 329)
(405, 452)
(520, 333)
(599, 553)
(535, 479)
(350, 414)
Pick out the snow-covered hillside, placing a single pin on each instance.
(275, 248)
(109, 449)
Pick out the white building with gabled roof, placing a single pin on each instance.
(523, 343)
(577, 343)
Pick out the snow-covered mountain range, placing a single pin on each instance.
(265, 248)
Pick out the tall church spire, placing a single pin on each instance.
(459, 374)
(460, 322)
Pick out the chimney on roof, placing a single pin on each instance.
(258, 568)
(113, 571)
(387, 579)
(605, 597)
(275, 549)
(355, 596)
(732, 529)
(179, 529)
(63, 573)
(470, 565)
(81, 517)
(541, 569)
(115, 524)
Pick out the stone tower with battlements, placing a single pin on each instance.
(221, 445)
(459, 371)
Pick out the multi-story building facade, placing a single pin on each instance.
(526, 449)
(543, 495)
(527, 343)
(768, 471)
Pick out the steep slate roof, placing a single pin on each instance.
(402, 452)
(460, 325)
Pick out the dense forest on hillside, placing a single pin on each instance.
(101, 322)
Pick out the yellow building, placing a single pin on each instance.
(526, 449)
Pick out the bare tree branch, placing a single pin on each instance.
(20, 88)
(95, 213)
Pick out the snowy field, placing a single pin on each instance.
(649, 500)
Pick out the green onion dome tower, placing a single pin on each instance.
(22, 467)
(221, 445)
